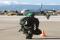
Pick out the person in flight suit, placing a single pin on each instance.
(30, 25)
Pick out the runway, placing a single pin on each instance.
(9, 27)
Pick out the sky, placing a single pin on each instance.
(30, 2)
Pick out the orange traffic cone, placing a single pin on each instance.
(43, 34)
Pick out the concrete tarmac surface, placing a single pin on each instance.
(9, 27)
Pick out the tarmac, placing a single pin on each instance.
(9, 27)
